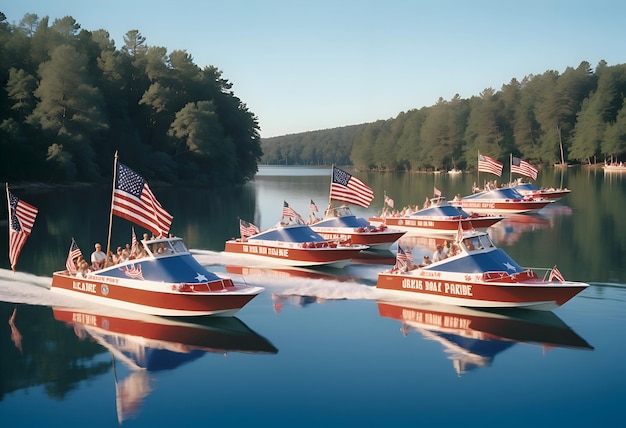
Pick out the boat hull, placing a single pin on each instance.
(220, 298)
(466, 289)
(375, 240)
(505, 206)
(296, 255)
(447, 226)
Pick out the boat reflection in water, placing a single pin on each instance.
(473, 338)
(509, 230)
(146, 343)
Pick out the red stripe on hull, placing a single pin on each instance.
(543, 295)
(197, 336)
(156, 302)
(374, 240)
(448, 226)
(339, 256)
(502, 206)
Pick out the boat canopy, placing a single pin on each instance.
(441, 211)
(496, 260)
(297, 233)
(344, 221)
(500, 193)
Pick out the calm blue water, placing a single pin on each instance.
(323, 348)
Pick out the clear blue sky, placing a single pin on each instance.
(309, 65)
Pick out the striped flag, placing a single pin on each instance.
(555, 275)
(490, 165)
(404, 259)
(21, 220)
(134, 201)
(247, 229)
(133, 271)
(345, 187)
(74, 252)
(313, 207)
(134, 244)
(524, 168)
(437, 192)
(288, 211)
(389, 201)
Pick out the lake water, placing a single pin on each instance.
(320, 348)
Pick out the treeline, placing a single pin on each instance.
(71, 99)
(578, 116)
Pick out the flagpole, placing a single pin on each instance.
(478, 166)
(112, 196)
(330, 190)
(6, 184)
(510, 168)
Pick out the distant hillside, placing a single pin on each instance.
(578, 116)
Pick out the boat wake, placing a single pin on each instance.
(20, 287)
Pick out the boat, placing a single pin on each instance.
(455, 171)
(291, 242)
(161, 278)
(340, 224)
(502, 200)
(439, 217)
(614, 167)
(472, 338)
(530, 190)
(148, 344)
(476, 273)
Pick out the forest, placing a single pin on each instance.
(574, 117)
(70, 99)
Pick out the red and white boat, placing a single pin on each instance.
(147, 344)
(530, 190)
(503, 200)
(291, 242)
(340, 224)
(440, 217)
(472, 338)
(614, 167)
(478, 274)
(164, 278)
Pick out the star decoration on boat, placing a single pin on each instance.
(509, 266)
(201, 278)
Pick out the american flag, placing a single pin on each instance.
(459, 233)
(347, 188)
(288, 211)
(71, 256)
(490, 165)
(555, 275)
(247, 229)
(313, 206)
(389, 201)
(403, 259)
(134, 244)
(133, 271)
(521, 167)
(437, 192)
(21, 220)
(134, 201)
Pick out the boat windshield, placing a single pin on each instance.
(166, 246)
(341, 211)
(478, 242)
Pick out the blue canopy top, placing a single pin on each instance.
(297, 233)
(345, 221)
(500, 193)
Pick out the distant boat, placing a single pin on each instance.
(455, 170)
(614, 167)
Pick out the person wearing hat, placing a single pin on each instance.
(426, 261)
(439, 254)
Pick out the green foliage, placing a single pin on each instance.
(70, 100)
(577, 116)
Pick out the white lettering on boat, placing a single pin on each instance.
(89, 287)
(419, 223)
(439, 287)
(264, 251)
(82, 318)
(447, 321)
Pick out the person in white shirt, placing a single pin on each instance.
(97, 258)
(438, 254)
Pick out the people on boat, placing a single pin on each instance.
(82, 268)
(454, 250)
(439, 254)
(98, 257)
(425, 261)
